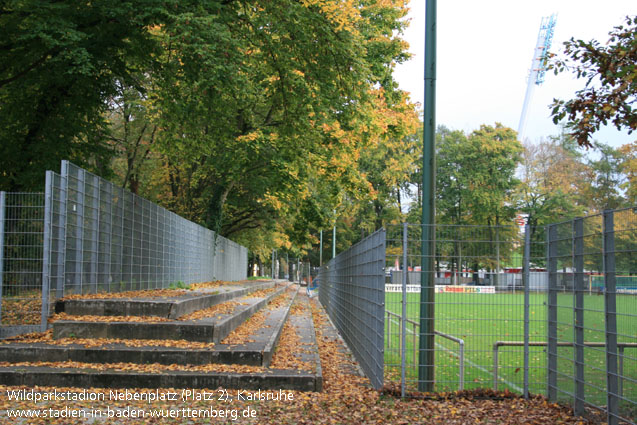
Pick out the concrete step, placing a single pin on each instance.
(257, 352)
(31, 376)
(167, 307)
(297, 341)
(306, 349)
(212, 329)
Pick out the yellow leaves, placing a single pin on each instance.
(344, 14)
(144, 293)
(288, 353)
(222, 308)
(250, 137)
(154, 368)
(400, 116)
(47, 338)
(156, 29)
(21, 311)
(246, 331)
(273, 201)
(104, 319)
(212, 284)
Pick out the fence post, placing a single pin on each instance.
(552, 313)
(426, 342)
(610, 310)
(381, 250)
(3, 200)
(78, 208)
(403, 322)
(46, 251)
(526, 283)
(578, 313)
(62, 200)
(272, 267)
(95, 218)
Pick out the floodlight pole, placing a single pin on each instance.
(427, 290)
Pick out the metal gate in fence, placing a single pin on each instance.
(86, 235)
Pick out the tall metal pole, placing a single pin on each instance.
(426, 344)
(334, 237)
(403, 321)
(321, 250)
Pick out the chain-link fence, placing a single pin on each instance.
(592, 319)
(352, 292)
(86, 235)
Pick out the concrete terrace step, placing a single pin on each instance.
(89, 378)
(212, 329)
(170, 307)
(297, 340)
(307, 349)
(257, 352)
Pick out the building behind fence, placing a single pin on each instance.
(86, 235)
(547, 310)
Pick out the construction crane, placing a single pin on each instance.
(538, 66)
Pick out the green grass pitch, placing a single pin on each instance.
(482, 319)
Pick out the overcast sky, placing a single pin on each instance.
(485, 50)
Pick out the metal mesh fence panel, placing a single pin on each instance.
(352, 292)
(86, 235)
(480, 320)
(21, 242)
(231, 260)
(624, 250)
(116, 241)
(593, 344)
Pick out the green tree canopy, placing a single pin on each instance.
(476, 175)
(59, 62)
(610, 92)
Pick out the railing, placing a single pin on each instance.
(620, 346)
(415, 324)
